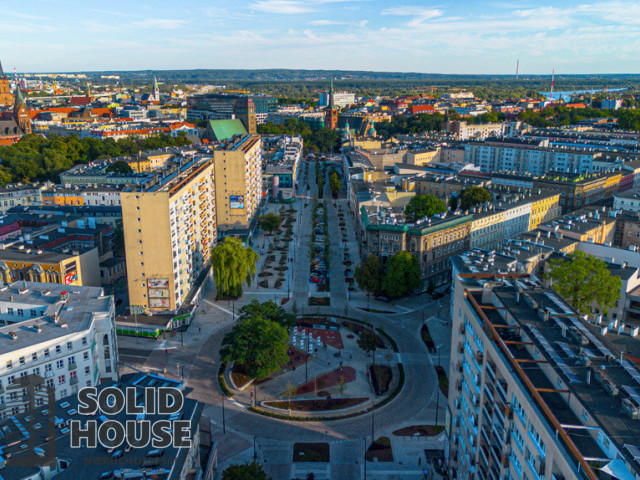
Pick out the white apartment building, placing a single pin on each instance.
(105, 197)
(340, 99)
(629, 200)
(62, 333)
(20, 195)
(527, 158)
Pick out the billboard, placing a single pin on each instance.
(70, 273)
(159, 303)
(158, 283)
(236, 201)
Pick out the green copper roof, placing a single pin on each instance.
(155, 83)
(332, 104)
(1, 71)
(19, 97)
(224, 129)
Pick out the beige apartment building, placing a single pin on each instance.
(238, 182)
(169, 231)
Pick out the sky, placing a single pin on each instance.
(461, 36)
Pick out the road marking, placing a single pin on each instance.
(218, 307)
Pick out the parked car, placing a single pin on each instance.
(381, 298)
(316, 280)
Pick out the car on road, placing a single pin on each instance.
(316, 280)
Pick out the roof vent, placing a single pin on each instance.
(13, 335)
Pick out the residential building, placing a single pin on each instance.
(169, 231)
(238, 183)
(63, 333)
(577, 191)
(534, 390)
(199, 460)
(590, 224)
(461, 130)
(627, 234)
(20, 195)
(384, 232)
(612, 103)
(528, 157)
(282, 155)
(340, 99)
(629, 200)
(423, 157)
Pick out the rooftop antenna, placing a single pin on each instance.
(553, 74)
(517, 68)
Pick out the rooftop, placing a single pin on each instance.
(60, 310)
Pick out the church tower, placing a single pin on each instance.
(156, 90)
(331, 114)
(20, 112)
(6, 99)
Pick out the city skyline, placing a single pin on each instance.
(429, 37)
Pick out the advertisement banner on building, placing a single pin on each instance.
(70, 273)
(236, 201)
(158, 283)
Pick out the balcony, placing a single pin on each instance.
(73, 366)
(73, 381)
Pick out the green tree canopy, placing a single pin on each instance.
(403, 274)
(119, 167)
(424, 206)
(584, 280)
(473, 196)
(258, 344)
(35, 157)
(247, 471)
(369, 275)
(233, 265)
(334, 182)
(270, 222)
(268, 310)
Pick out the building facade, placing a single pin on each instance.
(238, 182)
(169, 232)
(65, 334)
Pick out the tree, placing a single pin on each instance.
(247, 471)
(584, 280)
(369, 275)
(424, 206)
(453, 203)
(402, 276)
(290, 391)
(473, 196)
(270, 222)
(268, 310)
(258, 344)
(334, 182)
(120, 167)
(233, 265)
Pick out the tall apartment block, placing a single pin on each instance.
(169, 231)
(62, 333)
(535, 391)
(238, 183)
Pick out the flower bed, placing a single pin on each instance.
(317, 405)
(426, 338)
(443, 381)
(380, 450)
(319, 301)
(419, 431)
(380, 378)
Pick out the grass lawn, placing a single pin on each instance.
(381, 449)
(311, 452)
(319, 301)
(381, 378)
(426, 338)
(419, 431)
(443, 381)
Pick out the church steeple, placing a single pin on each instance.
(156, 89)
(1, 71)
(331, 101)
(19, 102)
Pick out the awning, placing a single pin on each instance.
(618, 469)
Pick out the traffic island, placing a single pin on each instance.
(380, 451)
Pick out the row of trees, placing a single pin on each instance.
(36, 158)
(399, 276)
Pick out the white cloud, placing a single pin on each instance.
(161, 23)
(281, 7)
(419, 14)
(322, 23)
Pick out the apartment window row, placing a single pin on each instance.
(46, 353)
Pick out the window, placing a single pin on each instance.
(34, 356)
(69, 345)
(49, 382)
(72, 375)
(11, 379)
(36, 371)
(33, 313)
(58, 349)
(84, 341)
(20, 312)
(85, 356)
(61, 379)
(21, 360)
(87, 370)
(46, 353)
(105, 339)
(10, 311)
(9, 364)
(60, 364)
(48, 367)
